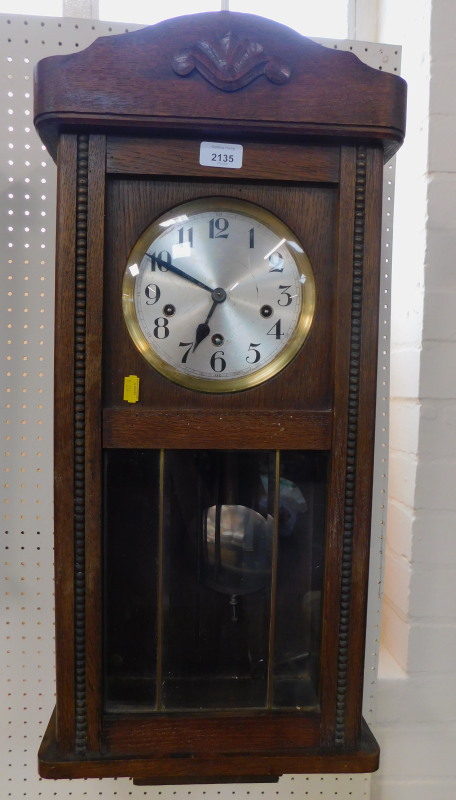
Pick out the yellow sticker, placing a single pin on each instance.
(131, 389)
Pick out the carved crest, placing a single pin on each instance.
(230, 63)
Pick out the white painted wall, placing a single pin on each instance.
(416, 702)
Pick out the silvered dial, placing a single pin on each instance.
(218, 294)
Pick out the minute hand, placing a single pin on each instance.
(173, 268)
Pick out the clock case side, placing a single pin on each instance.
(352, 453)
(80, 741)
(77, 411)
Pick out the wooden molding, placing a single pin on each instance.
(79, 443)
(351, 452)
(132, 82)
(230, 63)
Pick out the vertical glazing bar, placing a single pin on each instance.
(218, 512)
(160, 582)
(218, 557)
(275, 556)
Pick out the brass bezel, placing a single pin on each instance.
(290, 349)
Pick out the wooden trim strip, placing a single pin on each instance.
(79, 443)
(93, 462)
(365, 445)
(352, 446)
(336, 481)
(189, 429)
(141, 156)
(204, 735)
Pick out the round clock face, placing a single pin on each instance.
(218, 295)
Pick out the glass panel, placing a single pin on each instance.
(131, 545)
(209, 544)
(302, 510)
(219, 545)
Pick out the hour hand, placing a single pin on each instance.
(172, 268)
(203, 330)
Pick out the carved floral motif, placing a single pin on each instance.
(230, 63)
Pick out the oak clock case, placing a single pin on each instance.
(212, 530)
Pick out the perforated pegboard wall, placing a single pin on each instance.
(26, 314)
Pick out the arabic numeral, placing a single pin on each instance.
(152, 292)
(287, 297)
(217, 228)
(161, 330)
(160, 260)
(217, 362)
(189, 346)
(186, 236)
(223, 158)
(275, 262)
(255, 354)
(276, 330)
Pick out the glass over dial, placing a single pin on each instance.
(218, 294)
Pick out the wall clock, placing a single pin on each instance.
(216, 307)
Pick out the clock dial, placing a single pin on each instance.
(218, 295)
